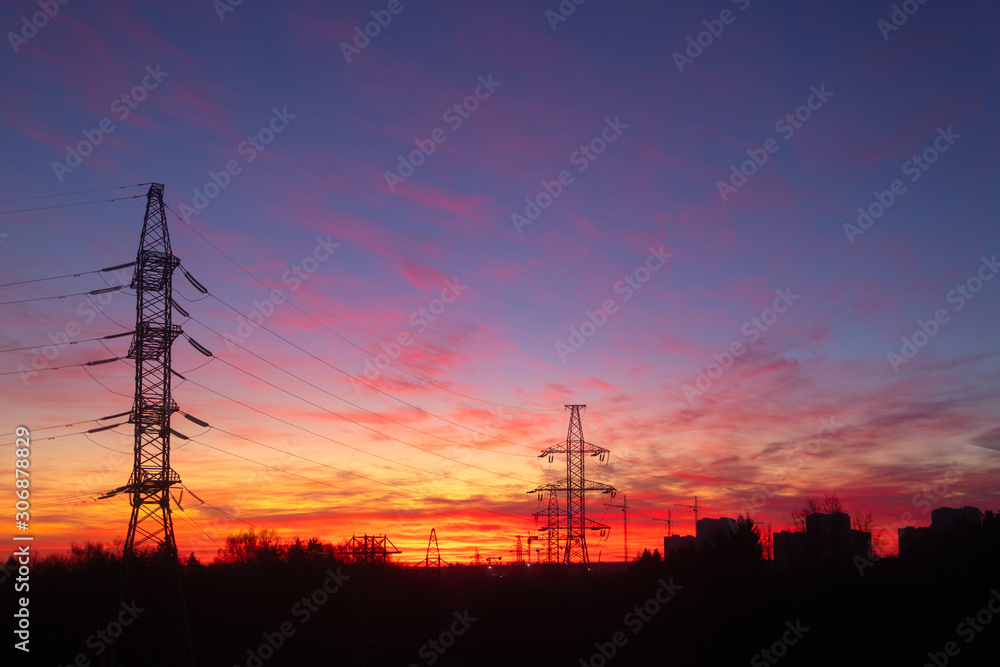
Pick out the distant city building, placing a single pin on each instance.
(672, 543)
(828, 541)
(914, 539)
(789, 548)
(705, 528)
(944, 518)
(911, 539)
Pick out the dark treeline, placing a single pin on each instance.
(723, 605)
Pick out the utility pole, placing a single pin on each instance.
(150, 569)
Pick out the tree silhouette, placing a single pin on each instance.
(830, 504)
(863, 521)
(252, 546)
(747, 546)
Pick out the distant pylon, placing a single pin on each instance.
(433, 558)
(553, 525)
(518, 552)
(576, 487)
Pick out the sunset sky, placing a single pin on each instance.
(602, 212)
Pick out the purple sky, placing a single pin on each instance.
(649, 258)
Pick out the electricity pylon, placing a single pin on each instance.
(576, 487)
(160, 636)
(552, 524)
(518, 552)
(433, 558)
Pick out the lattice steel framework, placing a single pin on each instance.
(553, 521)
(150, 569)
(152, 476)
(368, 549)
(433, 558)
(576, 449)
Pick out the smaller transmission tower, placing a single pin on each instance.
(433, 558)
(553, 521)
(518, 552)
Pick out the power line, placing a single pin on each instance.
(359, 493)
(67, 194)
(354, 405)
(64, 296)
(363, 451)
(41, 280)
(359, 380)
(37, 347)
(347, 340)
(47, 368)
(82, 203)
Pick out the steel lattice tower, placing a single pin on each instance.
(552, 516)
(152, 476)
(433, 558)
(576, 450)
(150, 569)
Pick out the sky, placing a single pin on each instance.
(758, 242)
